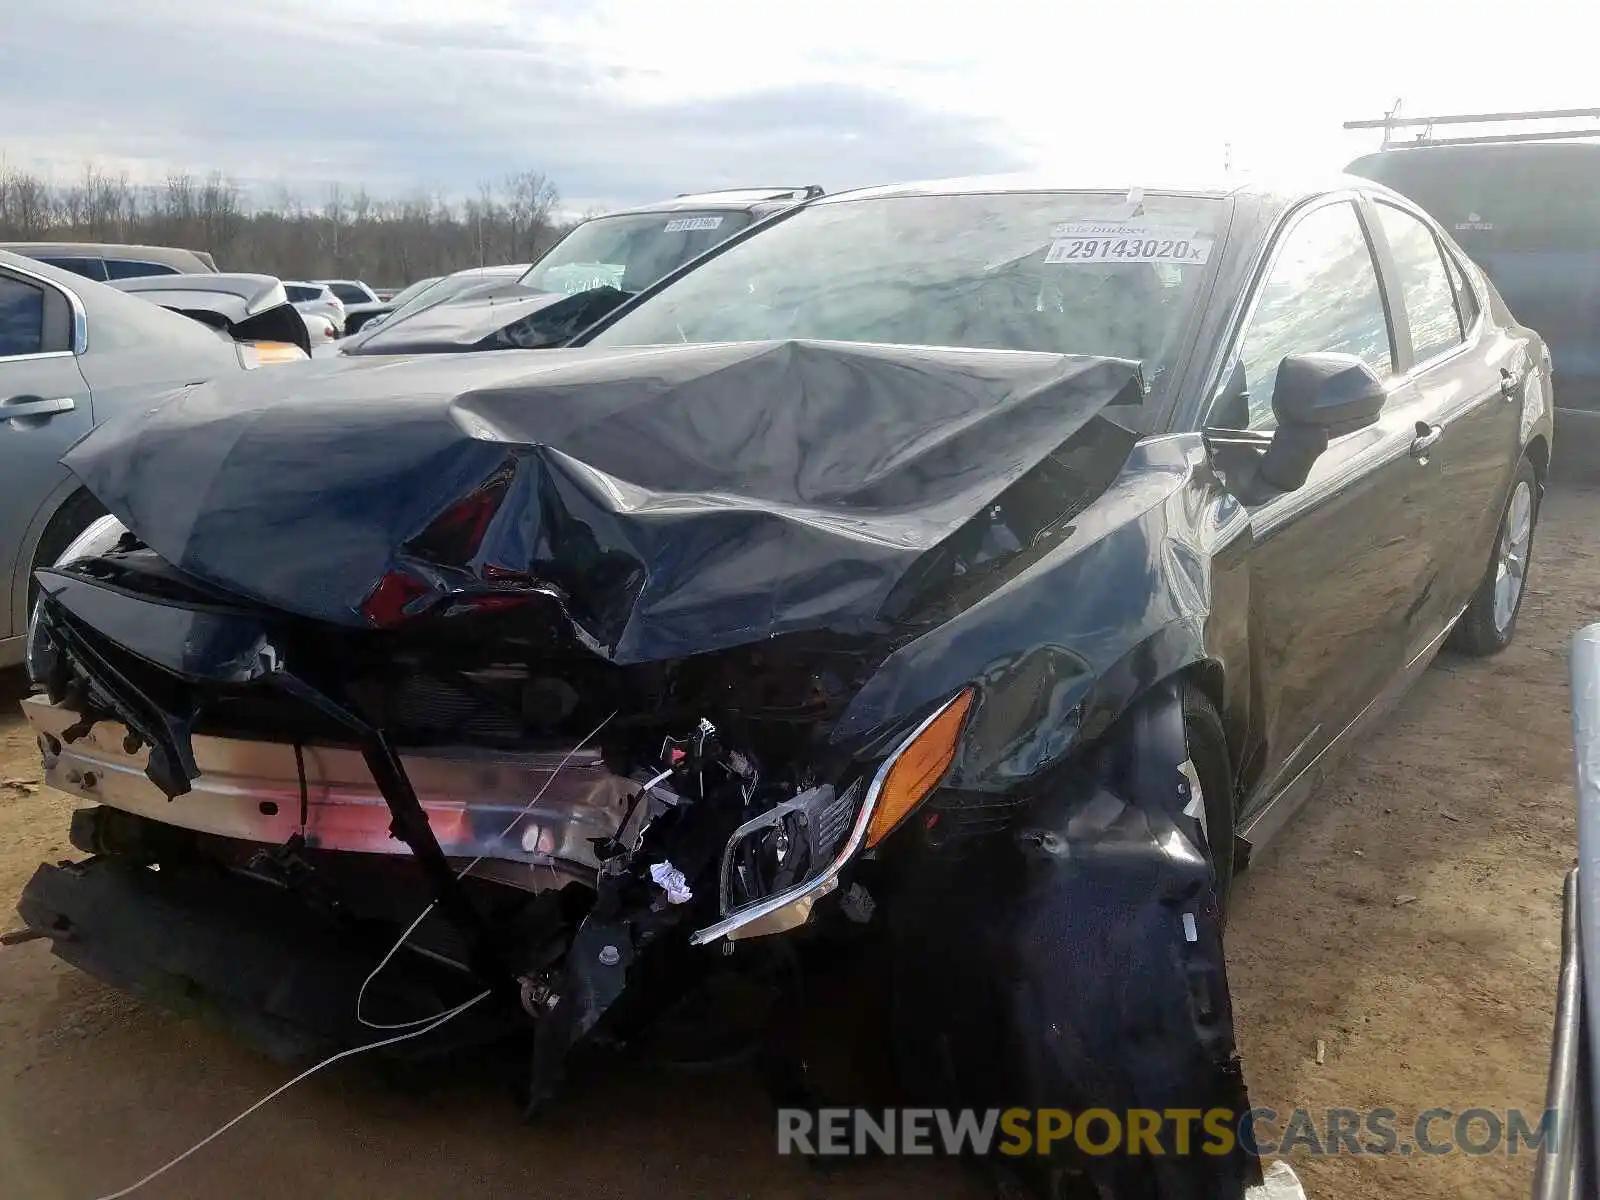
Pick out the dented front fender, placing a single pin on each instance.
(1079, 964)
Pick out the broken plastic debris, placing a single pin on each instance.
(1190, 932)
(1278, 1182)
(858, 904)
(670, 880)
(1195, 809)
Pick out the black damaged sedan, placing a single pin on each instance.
(976, 572)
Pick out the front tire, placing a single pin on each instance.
(1490, 620)
(1208, 751)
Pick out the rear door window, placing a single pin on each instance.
(21, 318)
(1527, 214)
(1430, 300)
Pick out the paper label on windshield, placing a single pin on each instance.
(1127, 241)
(691, 224)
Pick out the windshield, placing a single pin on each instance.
(406, 294)
(1066, 272)
(438, 291)
(629, 252)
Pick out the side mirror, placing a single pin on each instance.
(1317, 396)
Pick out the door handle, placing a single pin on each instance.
(1510, 383)
(36, 408)
(1427, 435)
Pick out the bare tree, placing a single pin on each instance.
(350, 235)
(27, 206)
(530, 198)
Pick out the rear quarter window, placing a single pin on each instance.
(128, 268)
(89, 268)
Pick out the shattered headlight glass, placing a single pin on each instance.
(100, 537)
(780, 862)
(786, 845)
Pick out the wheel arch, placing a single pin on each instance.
(1538, 453)
(64, 513)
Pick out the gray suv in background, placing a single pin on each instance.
(102, 261)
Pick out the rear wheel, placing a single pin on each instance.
(1490, 621)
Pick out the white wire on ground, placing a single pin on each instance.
(422, 916)
(412, 1029)
(306, 1074)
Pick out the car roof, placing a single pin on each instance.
(490, 272)
(1266, 193)
(172, 256)
(729, 198)
(1490, 152)
(1024, 182)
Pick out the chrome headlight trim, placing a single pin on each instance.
(791, 908)
(101, 535)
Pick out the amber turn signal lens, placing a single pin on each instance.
(261, 354)
(919, 768)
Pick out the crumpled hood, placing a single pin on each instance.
(675, 499)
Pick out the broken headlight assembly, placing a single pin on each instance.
(778, 864)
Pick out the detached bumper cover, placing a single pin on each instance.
(248, 956)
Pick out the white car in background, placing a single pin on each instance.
(361, 303)
(317, 299)
(319, 329)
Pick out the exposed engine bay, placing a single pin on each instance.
(568, 812)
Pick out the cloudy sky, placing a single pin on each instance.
(628, 100)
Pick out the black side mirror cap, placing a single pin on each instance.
(1316, 397)
(1336, 392)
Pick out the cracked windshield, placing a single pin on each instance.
(1079, 273)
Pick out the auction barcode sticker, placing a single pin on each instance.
(1127, 241)
(688, 224)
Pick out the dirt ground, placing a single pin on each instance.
(1409, 920)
